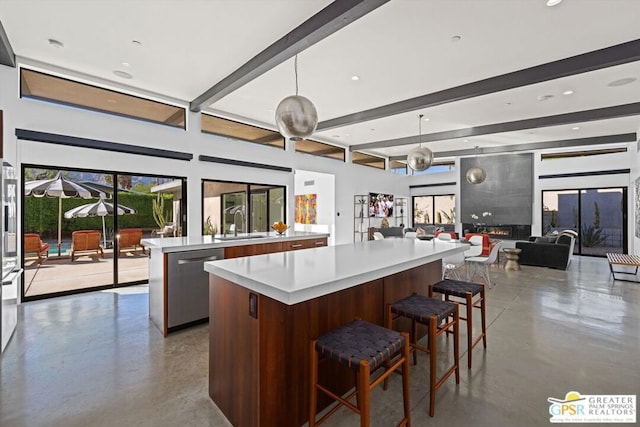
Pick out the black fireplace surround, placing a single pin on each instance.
(500, 231)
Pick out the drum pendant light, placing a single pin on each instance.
(296, 116)
(420, 158)
(476, 175)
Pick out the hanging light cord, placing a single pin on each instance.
(420, 129)
(295, 67)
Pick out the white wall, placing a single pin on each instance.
(47, 117)
(323, 186)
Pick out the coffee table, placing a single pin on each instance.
(512, 258)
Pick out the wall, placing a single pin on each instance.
(46, 117)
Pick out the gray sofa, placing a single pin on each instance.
(547, 251)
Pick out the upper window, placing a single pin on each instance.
(367, 160)
(42, 86)
(398, 167)
(437, 168)
(566, 154)
(320, 149)
(242, 131)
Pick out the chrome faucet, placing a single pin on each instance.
(235, 226)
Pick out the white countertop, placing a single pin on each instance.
(297, 276)
(190, 243)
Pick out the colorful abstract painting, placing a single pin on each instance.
(306, 208)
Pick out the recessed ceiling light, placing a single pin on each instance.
(426, 119)
(125, 64)
(622, 82)
(508, 103)
(567, 92)
(122, 74)
(551, 3)
(373, 129)
(544, 97)
(139, 43)
(465, 140)
(575, 128)
(55, 43)
(456, 38)
(354, 78)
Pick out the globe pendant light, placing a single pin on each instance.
(296, 116)
(420, 158)
(476, 175)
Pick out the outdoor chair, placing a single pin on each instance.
(86, 241)
(33, 245)
(130, 238)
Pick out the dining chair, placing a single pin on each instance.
(378, 236)
(444, 236)
(480, 264)
(410, 235)
(476, 247)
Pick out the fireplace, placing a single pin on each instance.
(501, 231)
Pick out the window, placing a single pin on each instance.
(45, 87)
(398, 167)
(229, 128)
(320, 149)
(437, 168)
(435, 210)
(596, 214)
(367, 160)
(564, 155)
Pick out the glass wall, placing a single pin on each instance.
(75, 220)
(225, 206)
(437, 210)
(596, 214)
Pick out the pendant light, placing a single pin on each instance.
(420, 158)
(476, 175)
(296, 116)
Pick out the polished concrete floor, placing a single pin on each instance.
(96, 360)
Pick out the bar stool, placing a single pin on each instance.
(363, 347)
(467, 291)
(431, 312)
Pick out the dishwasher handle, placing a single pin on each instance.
(199, 259)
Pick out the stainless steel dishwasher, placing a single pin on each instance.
(188, 286)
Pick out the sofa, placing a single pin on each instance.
(554, 251)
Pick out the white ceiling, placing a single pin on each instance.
(401, 50)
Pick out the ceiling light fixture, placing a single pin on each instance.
(567, 92)
(552, 3)
(125, 64)
(354, 78)
(426, 119)
(55, 43)
(456, 38)
(122, 74)
(296, 116)
(575, 128)
(476, 175)
(622, 82)
(420, 158)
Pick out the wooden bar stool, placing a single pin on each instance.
(467, 291)
(435, 314)
(363, 347)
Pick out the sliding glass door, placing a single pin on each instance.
(598, 215)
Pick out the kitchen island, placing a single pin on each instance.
(178, 284)
(265, 310)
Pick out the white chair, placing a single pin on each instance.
(480, 264)
(378, 236)
(444, 237)
(476, 247)
(453, 267)
(410, 235)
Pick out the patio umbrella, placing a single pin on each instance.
(62, 188)
(99, 208)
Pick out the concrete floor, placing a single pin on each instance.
(96, 360)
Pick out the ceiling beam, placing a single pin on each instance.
(617, 111)
(332, 18)
(590, 61)
(7, 56)
(533, 146)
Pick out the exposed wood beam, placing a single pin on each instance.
(332, 18)
(537, 122)
(7, 56)
(532, 146)
(590, 61)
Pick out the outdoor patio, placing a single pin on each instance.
(60, 274)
